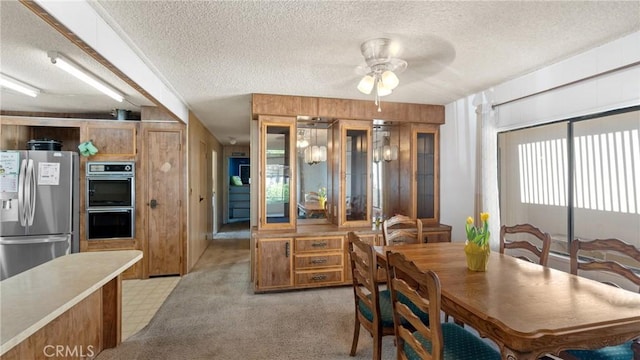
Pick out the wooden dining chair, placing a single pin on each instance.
(434, 340)
(401, 229)
(372, 306)
(586, 263)
(527, 230)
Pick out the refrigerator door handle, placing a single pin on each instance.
(32, 190)
(22, 211)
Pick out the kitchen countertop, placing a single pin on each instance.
(32, 299)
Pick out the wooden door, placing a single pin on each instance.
(275, 263)
(165, 168)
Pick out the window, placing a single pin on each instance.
(595, 159)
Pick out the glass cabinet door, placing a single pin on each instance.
(355, 166)
(425, 164)
(277, 167)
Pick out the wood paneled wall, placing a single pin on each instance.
(200, 224)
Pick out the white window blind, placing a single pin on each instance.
(607, 172)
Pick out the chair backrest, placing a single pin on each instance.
(604, 246)
(423, 290)
(363, 270)
(541, 252)
(312, 196)
(401, 229)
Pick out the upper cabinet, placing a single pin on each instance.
(353, 185)
(366, 168)
(419, 183)
(277, 172)
(113, 139)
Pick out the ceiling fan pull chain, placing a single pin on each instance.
(377, 97)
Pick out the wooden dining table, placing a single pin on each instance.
(527, 309)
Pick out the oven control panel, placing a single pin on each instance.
(110, 168)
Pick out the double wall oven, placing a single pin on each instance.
(110, 200)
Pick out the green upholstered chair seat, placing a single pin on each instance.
(386, 309)
(458, 344)
(618, 352)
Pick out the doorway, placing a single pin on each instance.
(214, 186)
(239, 206)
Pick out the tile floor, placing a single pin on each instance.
(141, 299)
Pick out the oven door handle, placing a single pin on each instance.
(110, 210)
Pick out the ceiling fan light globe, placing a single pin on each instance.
(366, 84)
(389, 80)
(383, 90)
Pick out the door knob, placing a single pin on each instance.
(153, 203)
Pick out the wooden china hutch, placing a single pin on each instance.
(367, 169)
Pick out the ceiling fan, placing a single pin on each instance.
(412, 59)
(381, 68)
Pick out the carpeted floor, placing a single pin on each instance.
(213, 314)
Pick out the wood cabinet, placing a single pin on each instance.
(277, 173)
(157, 148)
(274, 263)
(285, 255)
(419, 180)
(269, 104)
(315, 255)
(352, 185)
(318, 260)
(114, 140)
(437, 233)
(311, 256)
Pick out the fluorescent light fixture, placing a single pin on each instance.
(83, 75)
(13, 84)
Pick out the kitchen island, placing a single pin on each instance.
(68, 307)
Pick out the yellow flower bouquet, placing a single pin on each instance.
(477, 246)
(322, 195)
(478, 235)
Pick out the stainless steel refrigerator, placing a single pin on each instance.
(39, 214)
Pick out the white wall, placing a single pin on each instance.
(590, 93)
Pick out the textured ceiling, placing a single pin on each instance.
(25, 40)
(215, 54)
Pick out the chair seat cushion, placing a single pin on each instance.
(386, 309)
(458, 344)
(618, 352)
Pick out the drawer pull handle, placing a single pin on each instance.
(319, 261)
(319, 277)
(319, 244)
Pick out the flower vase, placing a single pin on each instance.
(322, 202)
(477, 256)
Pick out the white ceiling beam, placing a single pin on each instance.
(81, 19)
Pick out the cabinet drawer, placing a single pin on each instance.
(318, 243)
(319, 277)
(317, 261)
